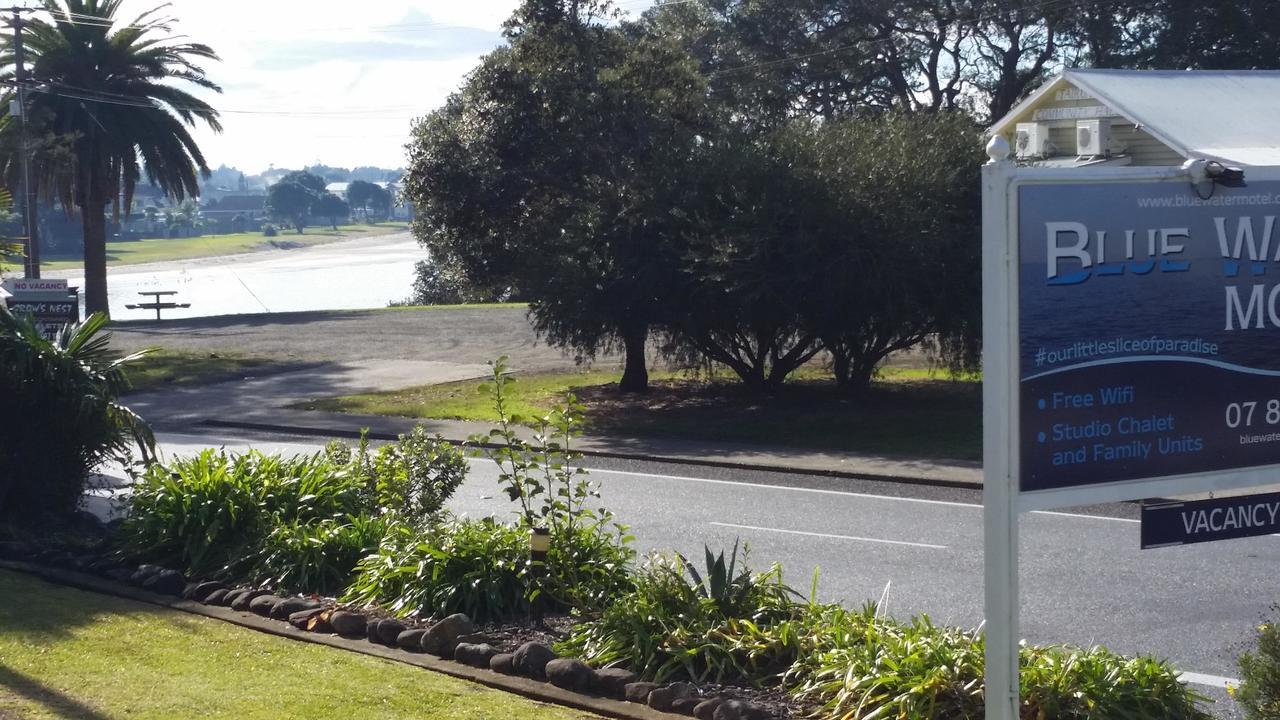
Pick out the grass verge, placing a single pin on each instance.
(908, 412)
(459, 306)
(134, 252)
(167, 368)
(72, 654)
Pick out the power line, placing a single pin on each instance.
(391, 28)
(99, 96)
(109, 98)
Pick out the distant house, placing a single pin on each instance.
(399, 210)
(1146, 117)
(236, 213)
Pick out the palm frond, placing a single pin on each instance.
(115, 88)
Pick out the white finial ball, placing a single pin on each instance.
(998, 149)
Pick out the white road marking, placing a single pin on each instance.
(765, 486)
(1083, 516)
(735, 483)
(825, 535)
(869, 496)
(1217, 681)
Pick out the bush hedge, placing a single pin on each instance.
(855, 664)
(373, 524)
(1259, 691)
(59, 416)
(301, 522)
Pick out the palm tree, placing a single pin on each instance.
(9, 247)
(106, 87)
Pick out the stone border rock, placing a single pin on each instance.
(450, 646)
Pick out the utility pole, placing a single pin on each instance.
(31, 244)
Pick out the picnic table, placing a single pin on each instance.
(156, 303)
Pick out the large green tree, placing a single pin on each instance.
(366, 195)
(776, 59)
(331, 206)
(292, 198)
(773, 60)
(1175, 34)
(894, 263)
(112, 89)
(556, 170)
(749, 213)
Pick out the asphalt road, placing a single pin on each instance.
(1084, 580)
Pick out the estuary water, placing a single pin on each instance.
(347, 275)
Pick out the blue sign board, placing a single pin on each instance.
(1149, 331)
(1184, 523)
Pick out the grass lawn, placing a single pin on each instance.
(71, 654)
(908, 412)
(166, 368)
(162, 250)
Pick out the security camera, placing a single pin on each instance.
(1231, 177)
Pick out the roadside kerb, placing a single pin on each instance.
(598, 447)
(532, 689)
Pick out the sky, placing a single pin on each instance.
(331, 82)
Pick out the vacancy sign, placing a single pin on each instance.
(1184, 523)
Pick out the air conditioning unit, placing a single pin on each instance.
(1032, 141)
(1093, 137)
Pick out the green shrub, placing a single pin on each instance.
(300, 522)
(855, 664)
(1081, 684)
(60, 416)
(860, 664)
(588, 567)
(669, 626)
(482, 568)
(318, 557)
(413, 477)
(1259, 691)
(212, 513)
(538, 474)
(467, 566)
(270, 230)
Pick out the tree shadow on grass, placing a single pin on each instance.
(41, 612)
(33, 690)
(938, 419)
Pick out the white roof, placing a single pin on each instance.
(1227, 115)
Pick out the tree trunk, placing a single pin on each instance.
(853, 376)
(635, 373)
(95, 249)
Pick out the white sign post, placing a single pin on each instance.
(1131, 349)
(999, 448)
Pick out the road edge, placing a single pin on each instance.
(610, 454)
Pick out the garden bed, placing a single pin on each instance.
(356, 541)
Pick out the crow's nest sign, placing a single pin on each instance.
(1131, 272)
